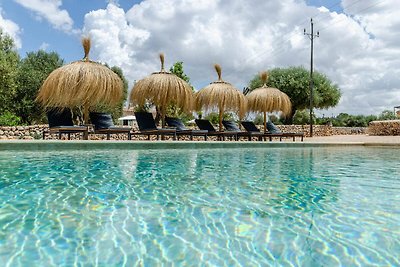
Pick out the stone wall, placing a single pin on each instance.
(389, 127)
(22, 132)
(322, 130)
(35, 132)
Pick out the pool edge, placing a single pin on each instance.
(8, 145)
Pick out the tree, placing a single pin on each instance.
(346, 120)
(294, 81)
(32, 71)
(177, 69)
(9, 59)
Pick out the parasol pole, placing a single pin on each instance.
(86, 48)
(265, 121)
(221, 115)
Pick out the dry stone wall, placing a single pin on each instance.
(35, 131)
(389, 127)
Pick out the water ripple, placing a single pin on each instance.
(249, 207)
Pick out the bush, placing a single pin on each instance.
(213, 117)
(302, 117)
(9, 119)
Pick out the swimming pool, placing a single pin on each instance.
(294, 206)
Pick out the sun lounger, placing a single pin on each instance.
(60, 122)
(250, 126)
(232, 126)
(182, 130)
(103, 124)
(206, 125)
(147, 126)
(272, 129)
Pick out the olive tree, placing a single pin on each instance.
(295, 82)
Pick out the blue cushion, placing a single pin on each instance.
(175, 122)
(231, 126)
(101, 120)
(272, 128)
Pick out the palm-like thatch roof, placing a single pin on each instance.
(81, 83)
(221, 95)
(268, 99)
(163, 89)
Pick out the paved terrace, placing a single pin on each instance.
(355, 139)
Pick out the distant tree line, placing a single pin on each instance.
(302, 117)
(21, 78)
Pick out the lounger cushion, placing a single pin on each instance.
(271, 128)
(101, 120)
(205, 125)
(231, 126)
(250, 126)
(145, 121)
(175, 122)
(59, 117)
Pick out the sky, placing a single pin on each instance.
(358, 47)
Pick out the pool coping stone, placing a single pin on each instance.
(6, 145)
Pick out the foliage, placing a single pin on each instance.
(346, 120)
(9, 59)
(177, 69)
(302, 117)
(32, 71)
(295, 82)
(259, 119)
(213, 117)
(387, 115)
(9, 119)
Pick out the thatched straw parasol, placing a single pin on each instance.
(163, 89)
(221, 95)
(267, 99)
(81, 83)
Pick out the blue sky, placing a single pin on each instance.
(37, 31)
(357, 49)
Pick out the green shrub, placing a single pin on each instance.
(9, 119)
(302, 117)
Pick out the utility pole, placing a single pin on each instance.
(311, 36)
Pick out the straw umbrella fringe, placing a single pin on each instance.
(221, 95)
(81, 83)
(267, 99)
(163, 89)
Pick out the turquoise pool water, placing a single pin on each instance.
(337, 206)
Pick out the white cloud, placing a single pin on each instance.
(51, 11)
(11, 28)
(44, 46)
(355, 49)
